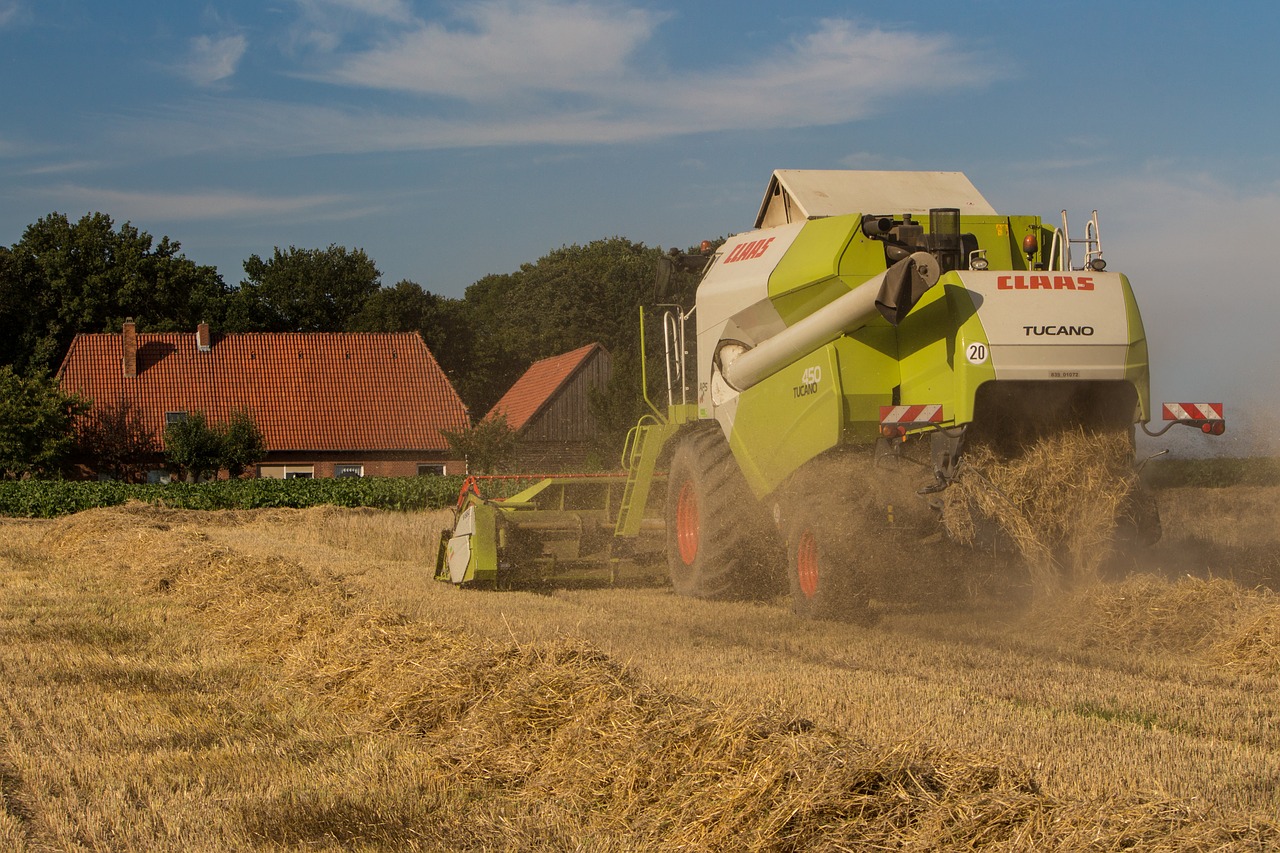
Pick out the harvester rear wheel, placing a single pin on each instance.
(825, 583)
(719, 543)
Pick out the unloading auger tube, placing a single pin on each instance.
(891, 294)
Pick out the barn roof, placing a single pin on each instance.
(307, 391)
(533, 391)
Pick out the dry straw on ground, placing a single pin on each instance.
(1058, 502)
(554, 746)
(1211, 618)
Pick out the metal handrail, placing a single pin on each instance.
(1092, 242)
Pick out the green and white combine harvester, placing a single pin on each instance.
(849, 349)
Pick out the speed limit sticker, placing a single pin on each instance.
(977, 353)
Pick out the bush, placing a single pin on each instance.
(200, 449)
(46, 499)
(35, 424)
(488, 446)
(243, 444)
(193, 447)
(114, 439)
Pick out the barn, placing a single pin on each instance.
(549, 408)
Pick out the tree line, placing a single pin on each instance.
(63, 278)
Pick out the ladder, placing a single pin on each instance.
(1092, 242)
(640, 458)
(646, 439)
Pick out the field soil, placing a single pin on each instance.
(296, 680)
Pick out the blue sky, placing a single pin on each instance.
(453, 140)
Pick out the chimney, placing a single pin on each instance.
(202, 338)
(129, 347)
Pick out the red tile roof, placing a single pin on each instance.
(307, 391)
(534, 390)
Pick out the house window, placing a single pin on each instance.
(287, 472)
(171, 418)
(431, 470)
(348, 470)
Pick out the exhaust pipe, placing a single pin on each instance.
(892, 294)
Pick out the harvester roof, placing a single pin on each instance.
(798, 194)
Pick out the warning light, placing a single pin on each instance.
(1030, 245)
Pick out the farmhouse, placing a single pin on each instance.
(549, 408)
(328, 404)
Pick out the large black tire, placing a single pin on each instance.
(720, 543)
(823, 575)
(860, 539)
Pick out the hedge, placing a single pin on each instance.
(49, 498)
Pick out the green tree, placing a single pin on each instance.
(303, 290)
(36, 420)
(243, 445)
(13, 321)
(441, 322)
(114, 440)
(617, 406)
(570, 297)
(193, 447)
(63, 278)
(198, 449)
(488, 446)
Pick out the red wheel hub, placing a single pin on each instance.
(807, 563)
(687, 523)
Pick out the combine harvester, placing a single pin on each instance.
(849, 350)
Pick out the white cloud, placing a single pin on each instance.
(391, 10)
(63, 167)
(839, 73)
(549, 72)
(324, 24)
(505, 49)
(9, 11)
(542, 54)
(201, 205)
(213, 60)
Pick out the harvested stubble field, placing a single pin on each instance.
(292, 679)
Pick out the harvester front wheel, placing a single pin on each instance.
(824, 582)
(718, 540)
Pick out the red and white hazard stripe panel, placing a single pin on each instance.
(1193, 412)
(1208, 416)
(898, 419)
